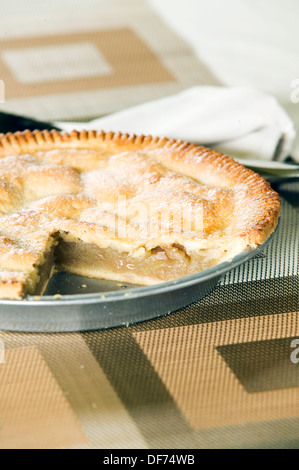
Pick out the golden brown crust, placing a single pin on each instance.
(54, 182)
(11, 289)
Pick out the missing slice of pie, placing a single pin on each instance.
(129, 208)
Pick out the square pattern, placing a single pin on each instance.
(261, 366)
(203, 384)
(109, 59)
(53, 63)
(125, 55)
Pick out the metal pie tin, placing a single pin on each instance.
(109, 304)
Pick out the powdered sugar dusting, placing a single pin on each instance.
(136, 199)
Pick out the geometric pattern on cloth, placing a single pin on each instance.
(205, 387)
(217, 373)
(54, 394)
(78, 69)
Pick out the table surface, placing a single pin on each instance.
(222, 372)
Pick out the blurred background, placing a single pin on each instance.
(77, 60)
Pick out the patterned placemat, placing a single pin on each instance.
(89, 58)
(221, 373)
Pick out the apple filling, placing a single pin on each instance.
(151, 267)
(144, 267)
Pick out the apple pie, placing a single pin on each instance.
(135, 209)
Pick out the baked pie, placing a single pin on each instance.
(129, 208)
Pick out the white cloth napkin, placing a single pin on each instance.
(240, 121)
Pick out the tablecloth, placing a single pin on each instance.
(220, 373)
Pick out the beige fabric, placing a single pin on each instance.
(125, 56)
(34, 411)
(205, 389)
